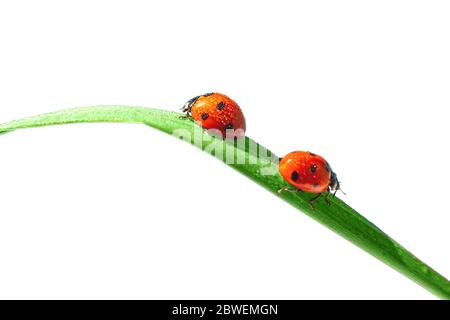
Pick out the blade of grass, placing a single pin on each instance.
(339, 217)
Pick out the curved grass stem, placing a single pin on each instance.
(260, 165)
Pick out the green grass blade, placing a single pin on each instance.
(339, 217)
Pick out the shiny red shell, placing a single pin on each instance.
(218, 111)
(306, 171)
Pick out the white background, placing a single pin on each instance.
(124, 211)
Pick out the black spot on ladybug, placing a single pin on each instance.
(229, 126)
(312, 154)
(315, 185)
(208, 94)
(220, 106)
(313, 168)
(294, 176)
(205, 116)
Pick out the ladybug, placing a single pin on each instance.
(308, 172)
(217, 111)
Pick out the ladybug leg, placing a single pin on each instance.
(288, 190)
(327, 198)
(187, 110)
(185, 116)
(186, 113)
(314, 199)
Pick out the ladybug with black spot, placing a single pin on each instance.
(217, 111)
(308, 172)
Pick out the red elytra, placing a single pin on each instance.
(308, 172)
(217, 111)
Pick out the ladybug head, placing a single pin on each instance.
(187, 107)
(334, 185)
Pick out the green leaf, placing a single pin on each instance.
(256, 162)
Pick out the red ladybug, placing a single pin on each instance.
(217, 111)
(308, 172)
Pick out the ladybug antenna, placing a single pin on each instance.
(338, 188)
